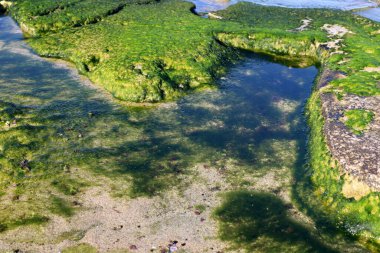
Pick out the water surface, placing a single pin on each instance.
(213, 5)
(373, 14)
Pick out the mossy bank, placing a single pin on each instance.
(148, 51)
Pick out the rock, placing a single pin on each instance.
(358, 156)
(24, 164)
(213, 15)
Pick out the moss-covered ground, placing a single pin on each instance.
(154, 51)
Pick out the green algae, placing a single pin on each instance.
(357, 120)
(155, 51)
(83, 247)
(259, 222)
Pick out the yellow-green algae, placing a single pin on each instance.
(358, 120)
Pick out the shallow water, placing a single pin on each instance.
(213, 5)
(252, 125)
(373, 14)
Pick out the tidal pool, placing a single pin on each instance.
(251, 132)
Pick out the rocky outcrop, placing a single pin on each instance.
(358, 155)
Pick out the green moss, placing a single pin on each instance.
(357, 120)
(80, 248)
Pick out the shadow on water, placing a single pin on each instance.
(257, 220)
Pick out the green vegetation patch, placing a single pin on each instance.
(360, 83)
(144, 52)
(52, 16)
(81, 248)
(357, 120)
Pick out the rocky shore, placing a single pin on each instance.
(358, 155)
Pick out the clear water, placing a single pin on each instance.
(253, 124)
(213, 5)
(256, 111)
(373, 14)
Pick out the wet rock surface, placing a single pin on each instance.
(358, 155)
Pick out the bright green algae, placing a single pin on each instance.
(357, 120)
(161, 51)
